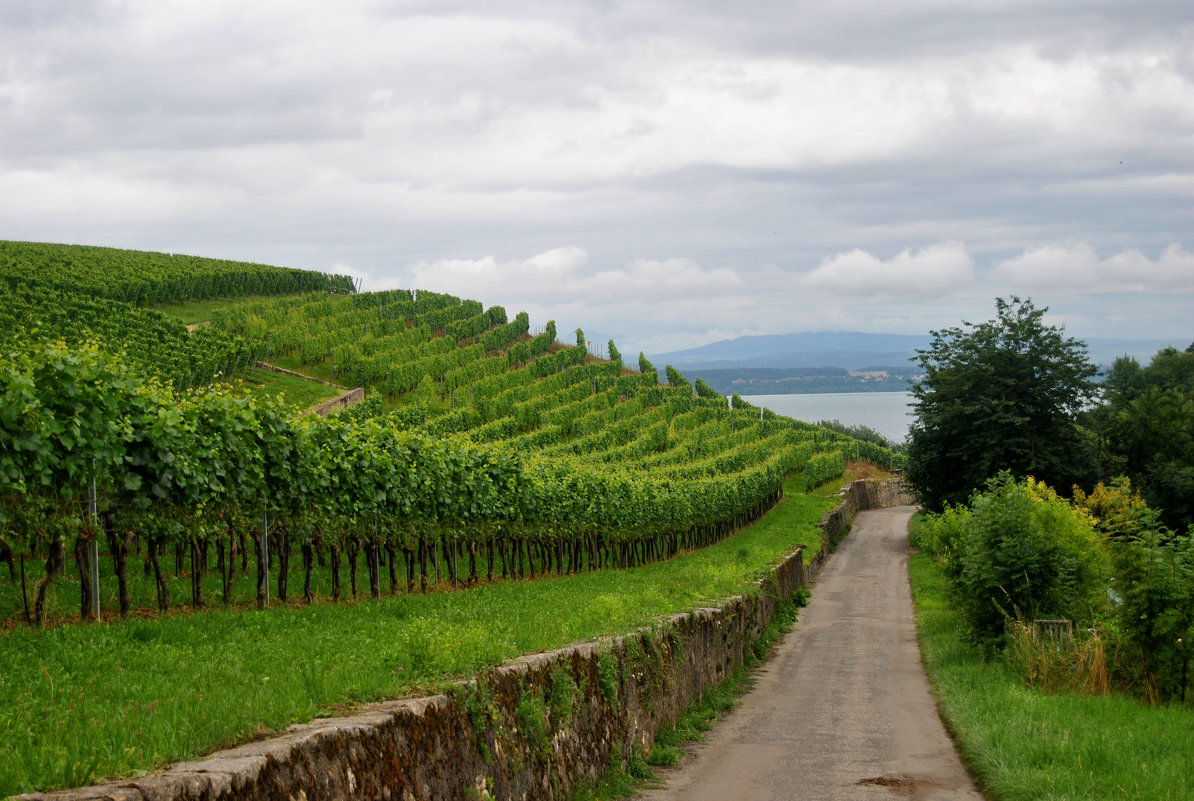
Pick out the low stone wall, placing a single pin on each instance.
(353, 396)
(534, 728)
(273, 368)
(867, 493)
(349, 398)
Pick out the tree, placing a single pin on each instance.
(1147, 425)
(999, 395)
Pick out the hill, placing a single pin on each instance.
(473, 434)
(814, 361)
(849, 350)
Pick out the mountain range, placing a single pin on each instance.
(856, 351)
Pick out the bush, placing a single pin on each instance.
(939, 534)
(1154, 584)
(1155, 579)
(1024, 552)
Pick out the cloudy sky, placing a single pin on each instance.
(668, 173)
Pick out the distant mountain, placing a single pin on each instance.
(854, 350)
(849, 350)
(1105, 351)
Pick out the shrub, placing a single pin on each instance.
(939, 534)
(1025, 552)
(1118, 510)
(1154, 584)
(531, 717)
(1155, 579)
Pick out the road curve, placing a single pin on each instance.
(842, 709)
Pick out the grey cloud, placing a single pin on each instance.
(736, 148)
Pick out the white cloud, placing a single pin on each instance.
(563, 275)
(663, 279)
(543, 275)
(932, 271)
(1050, 267)
(463, 146)
(1077, 268)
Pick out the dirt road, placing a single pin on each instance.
(842, 710)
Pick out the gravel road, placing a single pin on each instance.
(842, 709)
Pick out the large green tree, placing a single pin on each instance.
(1147, 424)
(999, 395)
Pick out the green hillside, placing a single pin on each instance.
(477, 438)
(76, 294)
(485, 452)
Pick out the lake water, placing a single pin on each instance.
(886, 412)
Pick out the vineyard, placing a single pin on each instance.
(141, 474)
(482, 451)
(77, 295)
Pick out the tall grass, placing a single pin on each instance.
(199, 311)
(296, 392)
(1054, 664)
(83, 702)
(1023, 743)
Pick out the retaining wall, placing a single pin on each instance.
(349, 398)
(532, 729)
(273, 368)
(353, 396)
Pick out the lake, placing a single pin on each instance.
(886, 412)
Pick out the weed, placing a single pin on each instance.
(1056, 665)
(638, 768)
(531, 717)
(562, 697)
(608, 677)
(477, 701)
(664, 755)
(616, 783)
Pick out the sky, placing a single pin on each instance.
(664, 173)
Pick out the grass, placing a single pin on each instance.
(80, 702)
(623, 780)
(199, 311)
(296, 392)
(1021, 743)
(322, 371)
(854, 470)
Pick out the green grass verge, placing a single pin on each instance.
(1021, 743)
(296, 392)
(83, 701)
(199, 311)
(625, 779)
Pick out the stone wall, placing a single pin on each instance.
(348, 398)
(858, 495)
(532, 729)
(353, 396)
(273, 368)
